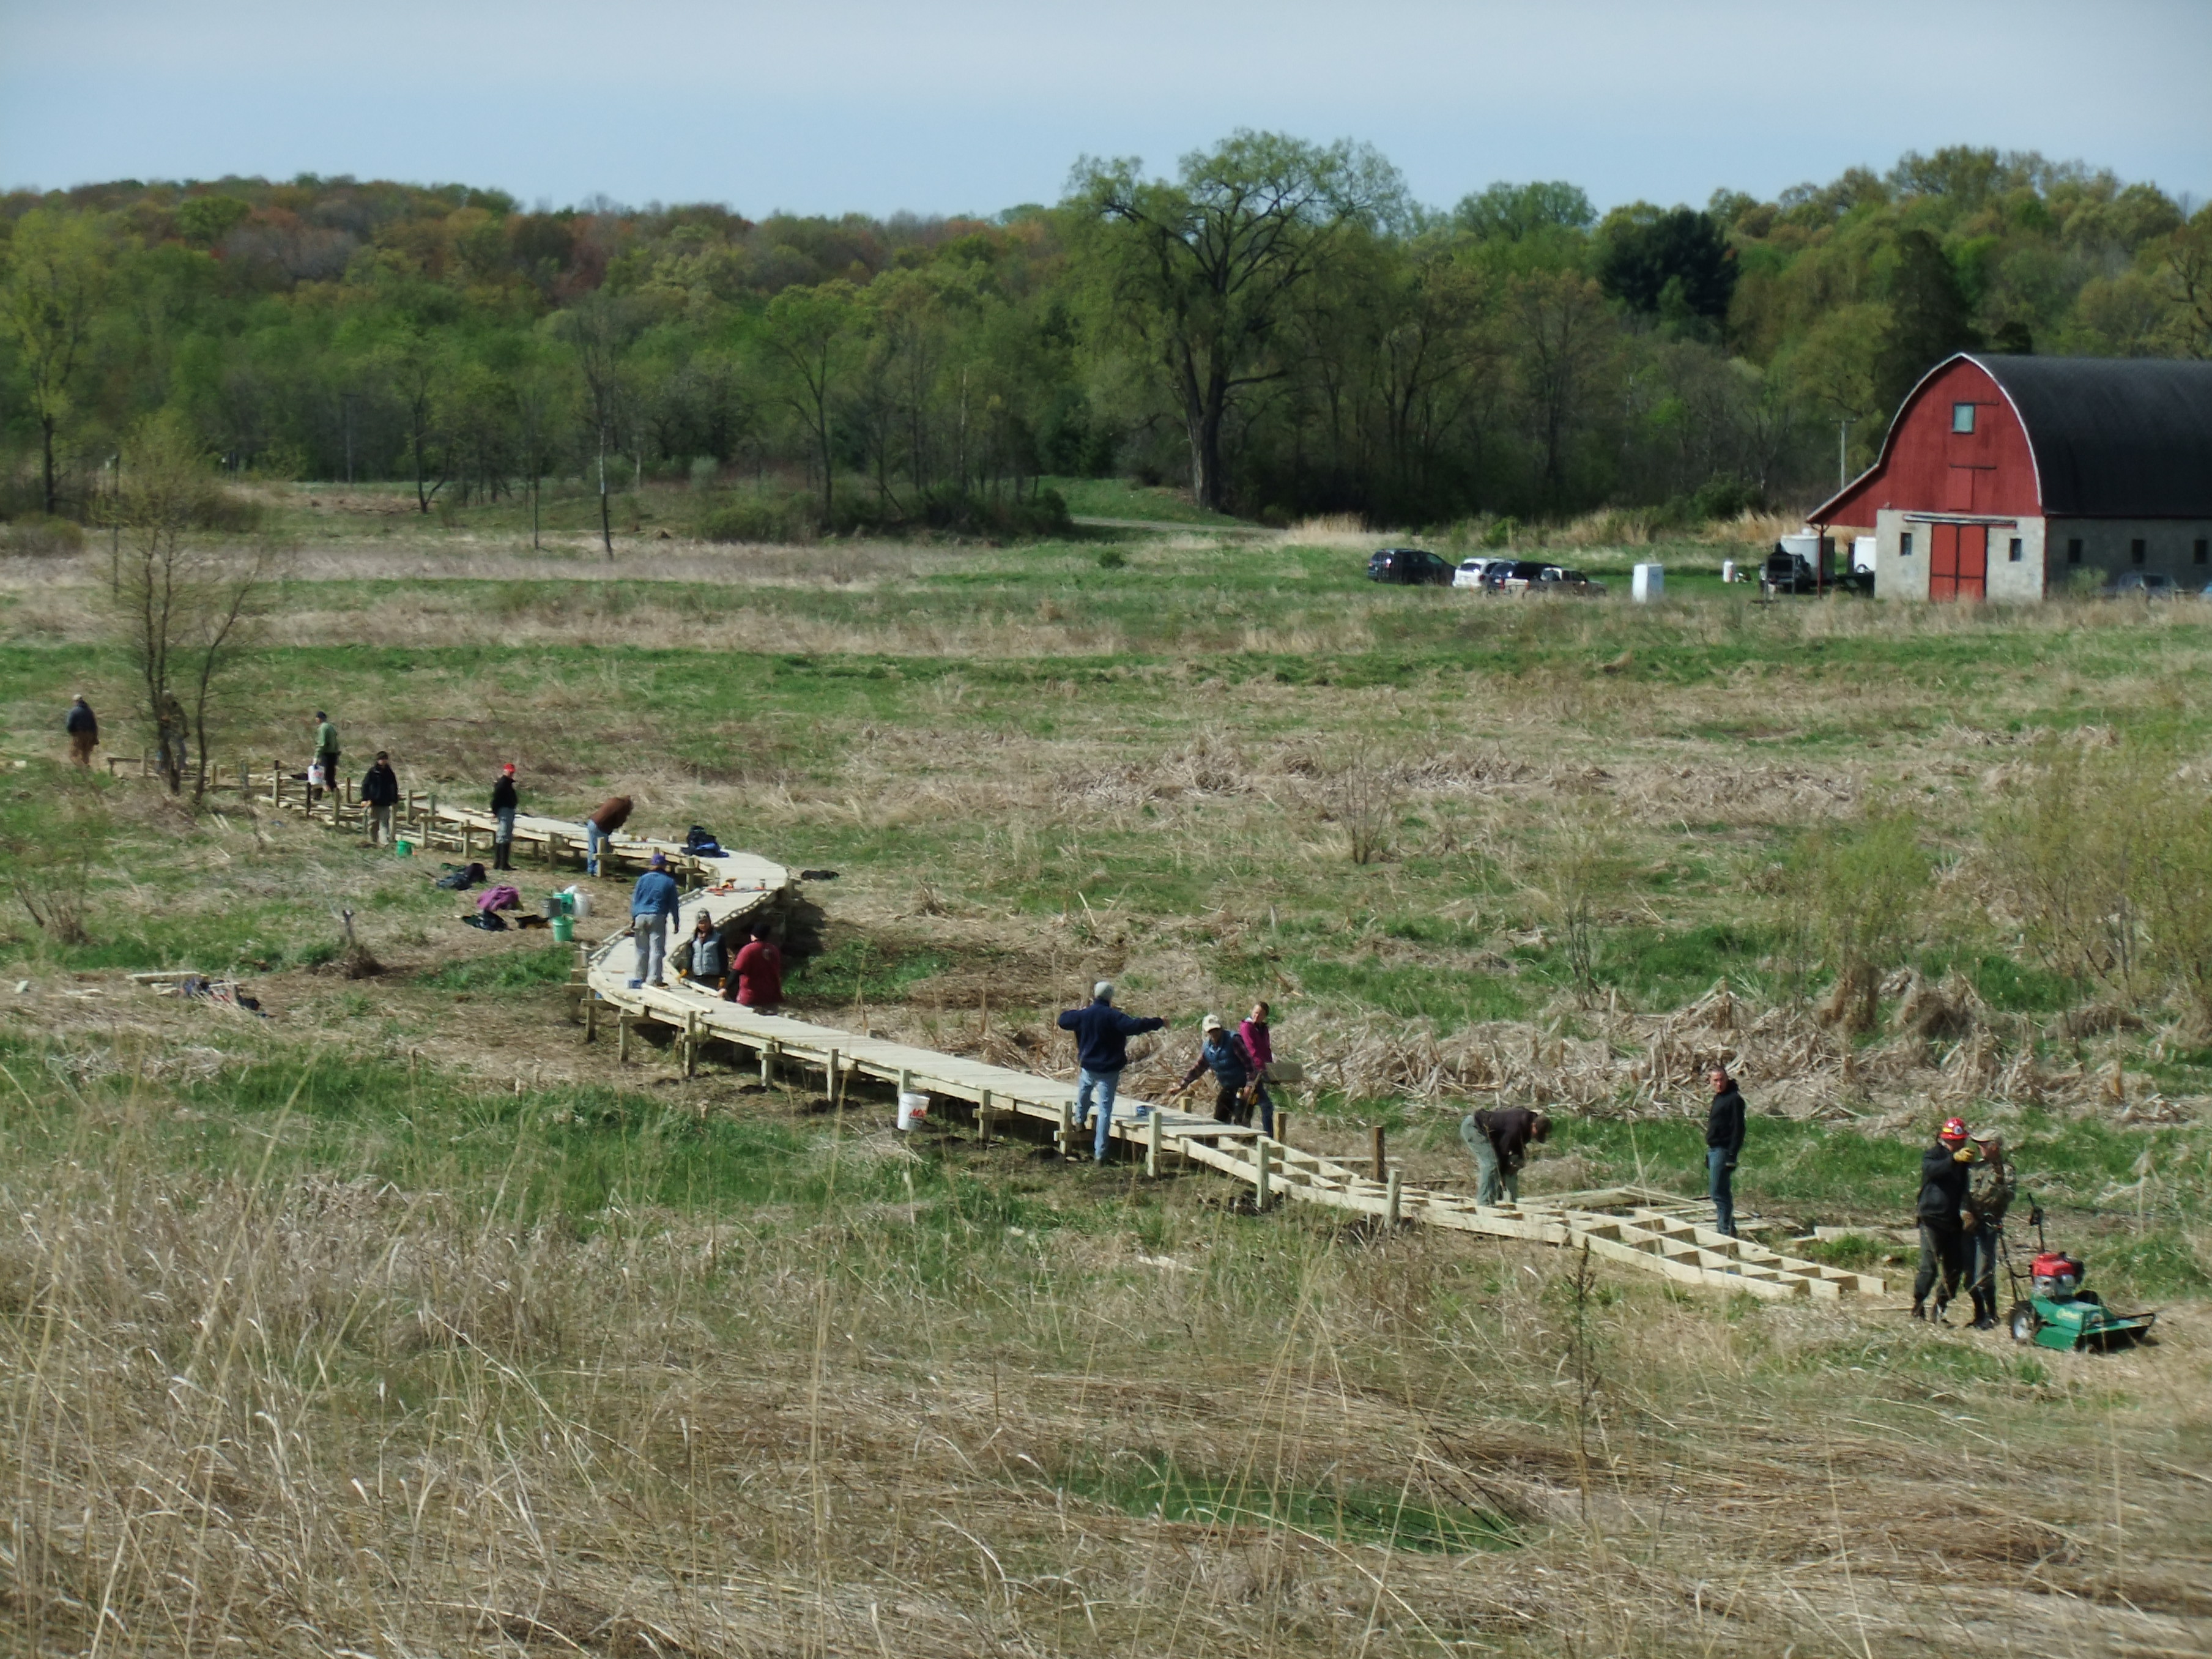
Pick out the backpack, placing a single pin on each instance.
(701, 841)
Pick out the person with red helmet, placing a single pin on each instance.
(1943, 1178)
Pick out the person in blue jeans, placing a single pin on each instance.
(1724, 1145)
(1102, 1049)
(654, 902)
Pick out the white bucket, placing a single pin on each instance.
(1650, 581)
(580, 901)
(1728, 570)
(913, 1110)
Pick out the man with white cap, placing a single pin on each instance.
(1102, 1049)
(1223, 1053)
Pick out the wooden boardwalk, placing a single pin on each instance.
(1636, 1227)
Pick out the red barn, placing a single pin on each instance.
(2011, 477)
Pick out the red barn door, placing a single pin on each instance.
(1958, 561)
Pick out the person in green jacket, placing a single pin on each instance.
(326, 751)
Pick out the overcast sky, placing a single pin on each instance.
(973, 106)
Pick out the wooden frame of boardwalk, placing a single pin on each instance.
(1636, 1227)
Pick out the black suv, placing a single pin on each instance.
(1412, 566)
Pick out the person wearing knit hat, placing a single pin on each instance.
(504, 800)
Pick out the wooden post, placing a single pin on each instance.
(983, 1119)
(1152, 1143)
(1283, 1126)
(692, 1043)
(622, 1039)
(1381, 1166)
(591, 1016)
(830, 1080)
(1260, 1195)
(275, 786)
(1068, 1128)
(1391, 1200)
(768, 1064)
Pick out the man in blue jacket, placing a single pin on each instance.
(654, 902)
(1102, 1049)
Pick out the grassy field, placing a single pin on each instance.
(400, 1322)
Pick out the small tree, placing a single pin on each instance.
(1863, 885)
(57, 271)
(184, 612)
(1583, 873)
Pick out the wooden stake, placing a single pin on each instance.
(1067, 1128)
(1152, 1143)
(692, 1043)
(1283, 1126)
(1381, 1166)
(622, 1039)
(768, 1064)
(1390, 1205)
(590, 1016)
(830, 1080)
(1260, 1193)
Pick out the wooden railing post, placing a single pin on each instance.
(1152, 1143)
(622, 1038)
(692, 1043)
(1381, 1167)
(1259, 1192)
(1390, 1202)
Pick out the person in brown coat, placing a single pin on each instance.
(599, 829)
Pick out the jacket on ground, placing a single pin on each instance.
(1103, 1033)
(656, 895)
(379, 786)
(1724, 1122)
(1943, 1185)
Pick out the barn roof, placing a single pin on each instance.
(2114, 437)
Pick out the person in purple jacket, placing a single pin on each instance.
(1257, 1043)
(1102, 1049)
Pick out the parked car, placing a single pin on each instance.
(1412, 566)
(2143, 585)
(1557, 579)
(1470, 571)
(1511, 575)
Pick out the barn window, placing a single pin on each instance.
(2137, 549)
(1904, 545)
(2204, 554)
(2073, 550)
(1962, 417)
(2012, 553)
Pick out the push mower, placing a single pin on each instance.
(2049, 1308)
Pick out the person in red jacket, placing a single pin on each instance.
(755, 978)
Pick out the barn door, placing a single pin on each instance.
(1973, 560)
(1942, 562)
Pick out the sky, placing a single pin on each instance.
(976, 106)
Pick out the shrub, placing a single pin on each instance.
(760, 518)
(37, 535)
(1725, 498)
(1861, 887)
(1111, 558)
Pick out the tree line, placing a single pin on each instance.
(1277, 326)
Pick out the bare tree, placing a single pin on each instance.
(599, 327)
(185, 609)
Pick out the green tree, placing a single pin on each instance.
(1199, 274)
(810, 334)
(58, 269)
(1928, 318)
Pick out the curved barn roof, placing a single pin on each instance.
(2114, 437)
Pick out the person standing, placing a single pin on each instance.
(379, 794)
(599, 829)
(326, 752)
(83, 728)
(1989, 1188)
(1724, 1127)
(504, 801)
(1943, 1179)
(654, 902)
(1499, 1140)
(755, 978)
(1102, 1049)
(1223, 1053)
(1260, 1044)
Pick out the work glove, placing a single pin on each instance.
(1964, 1155)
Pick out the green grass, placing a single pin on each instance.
(1154, 1485)
(524, 968)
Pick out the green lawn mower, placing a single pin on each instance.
(2049, 1308)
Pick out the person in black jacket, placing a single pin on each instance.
(83, 728)
(1724, 1145)
(504, 801)
(379, 793)
(1944, 1173)
(1499, 1140)
(1102, 1049)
